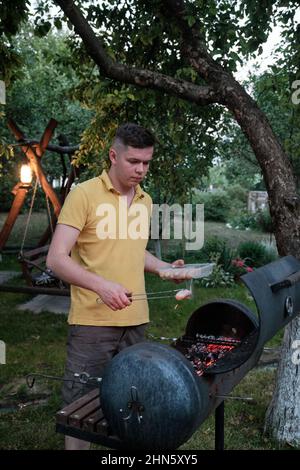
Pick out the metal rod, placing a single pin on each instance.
(219, 427)
(35, 290)
(158, 292)
(234, 398)
(207, 340)
(15, 249)
(166, 294)
(153, 298)
(83, 378)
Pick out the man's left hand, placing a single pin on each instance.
(178, 262)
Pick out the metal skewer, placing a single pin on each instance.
(234, 398)
(164, 294)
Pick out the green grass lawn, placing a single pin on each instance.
(234, 237)
(37, 226)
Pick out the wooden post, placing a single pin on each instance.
(74, 173)
(41, 148)
(37, 168)
(20, 193)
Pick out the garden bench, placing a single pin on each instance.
(33, 263)
(84, 420)
(35, 271)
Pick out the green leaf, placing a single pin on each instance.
(191, 20)
(58, 23)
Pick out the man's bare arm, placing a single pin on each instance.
(153, 264)
(59, 260)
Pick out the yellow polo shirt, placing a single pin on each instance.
(111, 243)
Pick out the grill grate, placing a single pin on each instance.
(203, 351)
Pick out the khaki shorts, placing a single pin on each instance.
(89, 348)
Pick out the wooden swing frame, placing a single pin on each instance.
(35, 258)
(33, 154)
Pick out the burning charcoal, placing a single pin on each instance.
(207, 350)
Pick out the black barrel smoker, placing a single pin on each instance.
(155, 396)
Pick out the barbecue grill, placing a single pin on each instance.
(155, 396)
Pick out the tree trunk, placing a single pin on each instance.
(283, 414)
(276, 167)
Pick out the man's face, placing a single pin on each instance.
(130, 164)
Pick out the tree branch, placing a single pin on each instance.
(202, 95)
(193, 44)
(61, 149)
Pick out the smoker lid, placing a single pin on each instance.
(151, 397)
(276, 291)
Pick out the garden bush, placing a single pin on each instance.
(239, 267)
(216, 205)
(219, 277)
(264, 221)
(244, 220)
(257, 254)
(238, 197)
(6, 196)
(219, 246)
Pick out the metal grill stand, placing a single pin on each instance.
(219, 426)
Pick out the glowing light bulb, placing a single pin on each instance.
(26, 174)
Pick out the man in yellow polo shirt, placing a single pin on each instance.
(104, 223)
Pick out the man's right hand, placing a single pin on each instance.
(114, 295)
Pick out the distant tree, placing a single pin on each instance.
(11, 20)
(272, 91)
(41, 90)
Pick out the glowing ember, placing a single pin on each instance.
(207, 350)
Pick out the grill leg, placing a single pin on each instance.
(219, 427)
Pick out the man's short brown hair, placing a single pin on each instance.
(134, 135)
